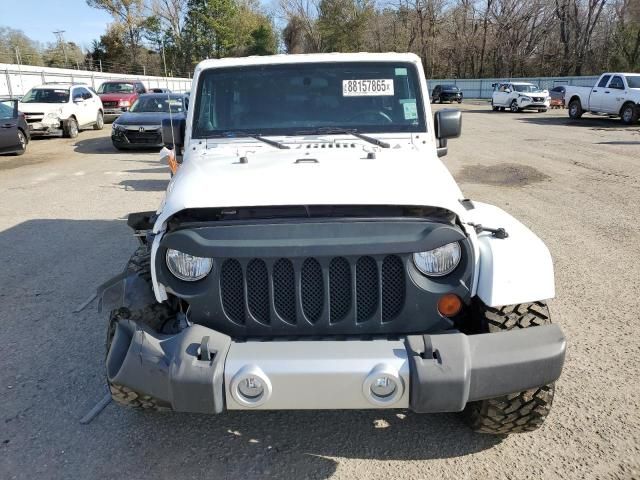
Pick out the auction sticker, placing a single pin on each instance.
(367, 88)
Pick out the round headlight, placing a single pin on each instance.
(439, 261)
(188, 267)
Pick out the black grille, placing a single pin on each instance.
(150, 138)
(339, 289)
(366, 288)
(232, 290)
(314, 293)
(393, 287)
(109, 104)
(258, 288)
(284, 294)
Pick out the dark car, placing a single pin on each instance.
(14, 130)
(557, 96)
(141, 126)
(446, 93)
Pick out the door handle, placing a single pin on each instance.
(595, 90)
(607, 91)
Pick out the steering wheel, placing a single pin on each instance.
(371, 114)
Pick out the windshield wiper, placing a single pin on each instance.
(231, 134)
(344, 131)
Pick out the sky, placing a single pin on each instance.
(38, 19)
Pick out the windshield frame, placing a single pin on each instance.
(527, 86)
(132, 84)
(412, 70)
(34, 89)
(163, 97)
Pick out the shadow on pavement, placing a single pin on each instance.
(53, 359)
(146, 185)
(103, 145)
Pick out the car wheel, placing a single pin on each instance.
(518, 412)
(575, 109)
(493, 107)
(502, 109)
(514, 107)
(22, 140)
(459, 101)
(629, 114)
(70, 128)
(542, 110)
(99, 121)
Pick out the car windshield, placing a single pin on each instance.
(301, 98)
(46, 95)
(116, 87)
(633, 81)
(158, 103)
(450, 87)
(526, 87)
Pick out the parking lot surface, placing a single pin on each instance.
(63, 232)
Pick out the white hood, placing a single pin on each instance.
(396, 176)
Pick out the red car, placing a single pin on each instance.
(118, 95)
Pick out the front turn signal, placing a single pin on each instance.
(449, 305)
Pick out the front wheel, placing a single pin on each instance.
(629, 114)
(514, 107)
(22, 140)
(575, 109)
(99, 121)
(518, 412)
(70, 128)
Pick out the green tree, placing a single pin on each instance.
(343, 24)
(209, 28)
(27, 50)
(263, 41)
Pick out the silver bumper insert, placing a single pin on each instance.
(317, 375)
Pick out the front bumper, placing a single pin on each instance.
(534, 105)
(45, 129)
(201, 370)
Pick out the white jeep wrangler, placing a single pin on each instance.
(313, 252)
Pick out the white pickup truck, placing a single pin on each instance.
(613, 94)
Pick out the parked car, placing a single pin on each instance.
(118, 95)
(518, 96)
(446, 93)
(55, 108)
(141, 126)
(615, 94)
(14, 130)
(319, 258)
(557, 96)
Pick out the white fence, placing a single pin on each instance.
(16, 80)
(481, 87)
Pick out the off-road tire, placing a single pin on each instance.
(575, 109)
(629, 113)
(99, 125)
(155, 315)
(70, 128)
(519, 412)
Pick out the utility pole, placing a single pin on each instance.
(59, 34)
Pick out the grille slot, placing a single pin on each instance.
(340, 296)
(393, 287)
(232, 290)
(258, 290)
(284, 293)
(367, 297)
(312, 289)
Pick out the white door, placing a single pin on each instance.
(81, 106)
(501, 96)
(596, 99)
(614, 95)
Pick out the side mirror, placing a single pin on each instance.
(173, 137)
(78, 99)
(447, 124)
(507, 90)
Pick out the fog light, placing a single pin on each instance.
(250, 387)
(383, 386)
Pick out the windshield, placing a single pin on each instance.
(111, 87)
(158, 104)
(288, 99)
(633, 81)
(450, 87)
(46, 95)
(527, 87)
